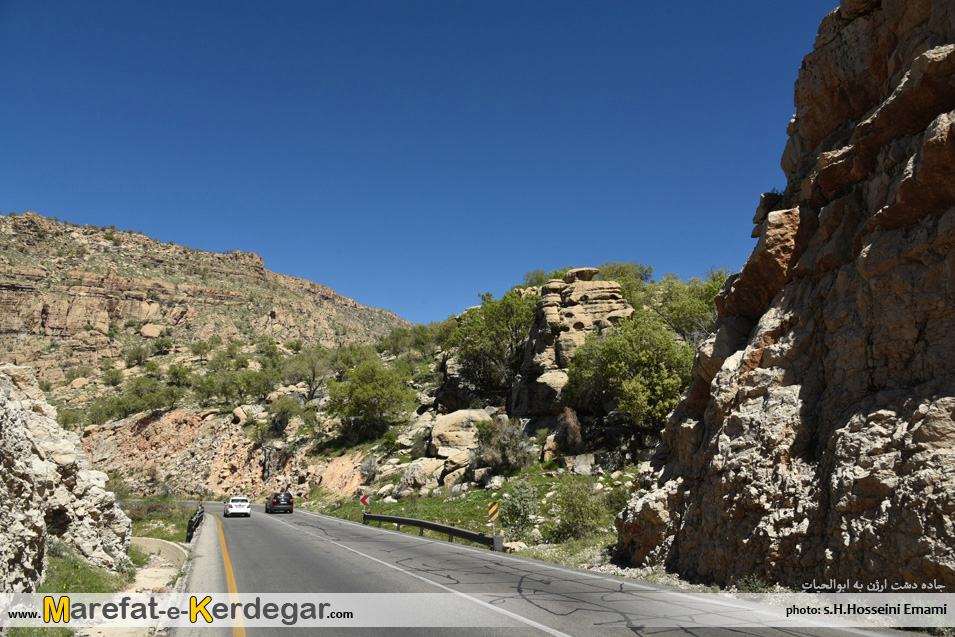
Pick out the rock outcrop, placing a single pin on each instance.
(817, 439)
(48, 489)
(67, 294)
(567, 312)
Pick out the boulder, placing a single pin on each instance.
(420, 473)
(151, 330)
(456, 432)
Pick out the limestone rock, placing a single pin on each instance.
(151, 330)
(456, 432)
(567, 312)
(56, 491)
(817, 436)
(423, 472)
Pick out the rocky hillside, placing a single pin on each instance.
(817, 437)
(71, 295)
(51, 488)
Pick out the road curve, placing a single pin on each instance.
(480, 592)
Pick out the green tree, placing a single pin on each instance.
(636, 365)
(371, 398)
(178, 375)
(162, 345)
(112, 377)
(311, 366)
(281, 412)
(135, 355)
(689, 309)
(348, 357)
(258, 384)
(201, 349)
(633, 278)
(490, 341)
(538, 278)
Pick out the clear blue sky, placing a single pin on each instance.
(409, 154)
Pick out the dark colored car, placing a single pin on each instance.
(279, 502)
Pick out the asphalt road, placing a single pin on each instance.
(471, 591)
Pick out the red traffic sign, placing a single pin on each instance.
(364, 500)
(255, 493)
(305, 496)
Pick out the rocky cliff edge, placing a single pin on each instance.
(818, 436)
(48, 489)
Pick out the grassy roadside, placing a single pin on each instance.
(159, 517)
(70, 573)
(542, 531)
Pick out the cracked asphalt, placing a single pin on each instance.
(471, 591)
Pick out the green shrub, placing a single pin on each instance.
(135, 355)
(162, 345)
(78, 372)
(45, 385)
(753, 584)
(615, 500)
(112, 377)
(636, 366)
(419, 445)
(503, 446)
(152, 369)
(69, 417)
(578, 510)
(178, 375)
(518, 510)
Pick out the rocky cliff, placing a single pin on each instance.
(48, 489)
(71, 295)
(817, 438)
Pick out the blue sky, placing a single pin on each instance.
(409, 154)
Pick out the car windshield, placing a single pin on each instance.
(239, 500)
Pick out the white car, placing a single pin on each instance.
(237, 506)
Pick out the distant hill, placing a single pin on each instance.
(71, 295)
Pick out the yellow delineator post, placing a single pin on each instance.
(492, 513)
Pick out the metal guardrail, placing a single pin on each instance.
(194, 522)
(495, 542)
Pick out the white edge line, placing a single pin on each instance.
(677, 594)
(480, 602)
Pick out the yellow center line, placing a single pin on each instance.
(238, 629)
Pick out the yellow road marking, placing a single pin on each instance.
(238, 629)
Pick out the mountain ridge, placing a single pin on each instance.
(71, 295)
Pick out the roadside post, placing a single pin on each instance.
(492, 513)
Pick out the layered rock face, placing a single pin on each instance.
(48, 488)
(67, 292)
(567, 312)
(817, 438)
